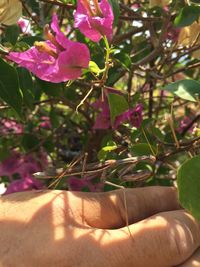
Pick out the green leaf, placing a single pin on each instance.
(9, 86)
(51, 89)
(21, 47)
(12, 33)
(189, 186)
(26, 85)
(49, 145)
(106, 150)
(29, 141)
(124, 59)
(116, 10)
(194, 2)
(30, 40)
(54, 118)
(142, 149)
(187, 16)
(117, 104)
(93, 67)
(185, 89)
(110, 146)
(114, 75)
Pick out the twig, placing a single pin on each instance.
(58, 3)
(190, 125)
(29, 13)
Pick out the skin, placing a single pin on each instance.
(76, 229)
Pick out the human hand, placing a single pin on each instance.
(70, 229)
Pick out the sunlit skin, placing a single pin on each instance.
(70, 229)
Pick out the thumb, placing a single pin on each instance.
(163, 240)
(193, 261)
(108, 210)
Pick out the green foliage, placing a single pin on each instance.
(29, 141)
(142, 149)
(12, 33)
(185, 89)
(189, 185)
(93, 67)
(9, 86)
(116, 10)
(26, 86)
(117, 104)
(106, 151)
(187, 16)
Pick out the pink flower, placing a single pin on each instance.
(25, 184)
(94, 19)
(78, 184)
(10, 166)
(183, 124)
(135, 6)
(172, 33)
(45, 123)
(134, 116)
(10, 126)
(57, 59)
(24, 25)
(24, 166)
(103, 120)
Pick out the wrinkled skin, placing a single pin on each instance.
(70, 229)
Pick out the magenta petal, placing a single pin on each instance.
(76, 184)
(58, 62)
(103, 118)
(184, 123)
(10, 126)
(10, 165)
(102, 122)
(77, 55)
(25, 25)
(94, 27)
(121, 118)
(54, 24)
(42, 65)
(26, 184)
(87, 27)
(134, 116)
(60, 37)
(71, 63)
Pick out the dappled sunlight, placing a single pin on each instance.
(195, 263)
(62, 230)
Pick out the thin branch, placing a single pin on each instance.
(58, 3)
(29, 13)
(197, 118)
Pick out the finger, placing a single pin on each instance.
(163, 240)
(193, 261)
(108, 210)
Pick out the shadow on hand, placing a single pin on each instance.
(49, 229)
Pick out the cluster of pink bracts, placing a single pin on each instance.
(23, 167)
(56, 60)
